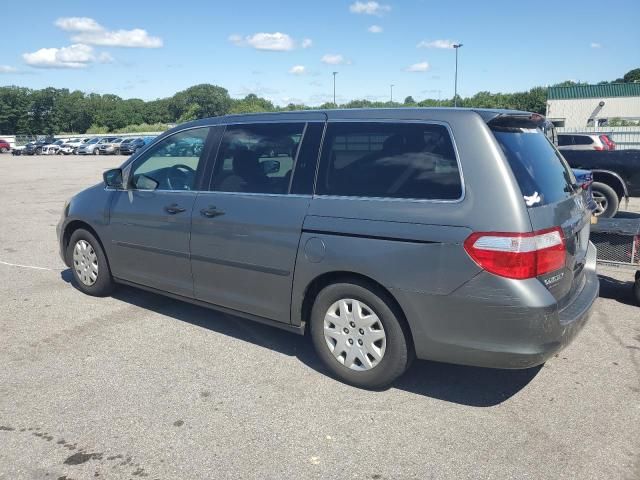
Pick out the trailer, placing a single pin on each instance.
(618, 244)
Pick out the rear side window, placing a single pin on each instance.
(389, 160)
(564, 140)
(542, 174)
(583, 140)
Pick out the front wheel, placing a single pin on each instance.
(359, 335)
(96, 151)
(89, 264)
(606, 200)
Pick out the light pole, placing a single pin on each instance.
(455, 88)
(392, 93)
(334, 88)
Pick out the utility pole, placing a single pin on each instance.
(334, 88)
(392, 93)
(455, 88)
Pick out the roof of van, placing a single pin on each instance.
(487, 115)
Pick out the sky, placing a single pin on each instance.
(286, 50)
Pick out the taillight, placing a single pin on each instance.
(518, 255)
(610, 144)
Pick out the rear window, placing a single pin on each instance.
(542, 174)
(389, 160)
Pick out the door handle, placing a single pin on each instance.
(211, 212)
(174, 208)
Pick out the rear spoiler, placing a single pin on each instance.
(518, 120)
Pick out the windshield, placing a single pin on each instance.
(541, 172)
(94, 140)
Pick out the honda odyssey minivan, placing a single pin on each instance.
(455, 235)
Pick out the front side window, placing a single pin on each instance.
(171, 164)
(389, 160)
(257, 158)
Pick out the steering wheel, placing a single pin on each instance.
(180, 175)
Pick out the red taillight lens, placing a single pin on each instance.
(610, 144)
(518, 255)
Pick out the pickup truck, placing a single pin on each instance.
(616, 175)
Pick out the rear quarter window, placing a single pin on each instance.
(389, 160)
(542, 174)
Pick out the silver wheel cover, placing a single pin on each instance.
(354, 334)
(85, 262)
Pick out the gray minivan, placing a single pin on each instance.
(454, 235)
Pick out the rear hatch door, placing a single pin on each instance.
(552, 196)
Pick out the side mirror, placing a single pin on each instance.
(270, 166)
(113, 178)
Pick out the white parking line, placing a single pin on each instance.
(27, 266)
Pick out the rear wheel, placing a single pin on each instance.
(4, 150)
(38, 151)
(606, 199)
(359, 336)
(89, 264)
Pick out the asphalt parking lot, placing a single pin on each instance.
(138, 385)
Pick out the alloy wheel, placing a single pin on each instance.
(601, 203)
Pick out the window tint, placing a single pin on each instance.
(257, 158)
(172, 163)
(393, 160)
(540, 171)
(582, 140)
(564, 140)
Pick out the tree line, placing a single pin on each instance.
(53, 111)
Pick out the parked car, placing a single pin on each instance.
(52, 148)
(92, 147)
(616, 176)
(111, 148)
(4, 146)
(70, 146)
(132, 145)
(17, 150)
(35, 148)
(453, 235)
(583, 141)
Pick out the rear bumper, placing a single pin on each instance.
(496, 322)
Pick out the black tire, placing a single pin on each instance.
(104, 284)
(75, 151)
(399, 352)
(636, 288)
(38, 151)
(4, 150)
(96, 151)
(608, 196)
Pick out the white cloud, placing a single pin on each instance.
(307, 42)
(418, 67)
(335, 59)
(436, 44)
(298, 70)
(369, 8)
(596, 45)
(136, 38)
(277, 42)
(8, 69)
(375, 29)
(73, 56)
(78, 24)
(90, 32)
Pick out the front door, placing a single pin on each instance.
(246, 229)
(151, 219)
